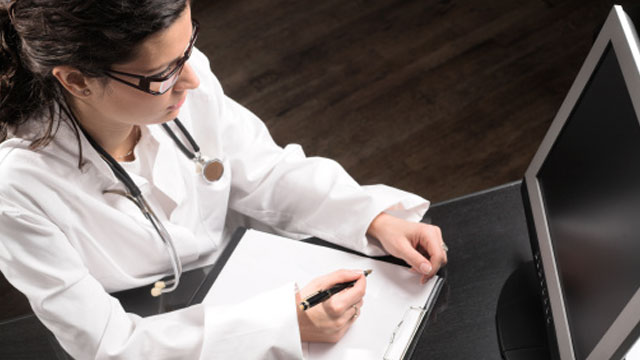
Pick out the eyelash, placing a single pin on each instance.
(163, 72)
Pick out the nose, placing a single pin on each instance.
(187, 80)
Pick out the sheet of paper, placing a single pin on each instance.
(263, 261)
(634, 352)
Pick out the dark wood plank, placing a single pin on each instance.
(441, 98)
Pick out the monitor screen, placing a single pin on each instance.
(583, 192)
(590, 185)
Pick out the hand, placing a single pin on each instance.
(330, 320)
(412, 242)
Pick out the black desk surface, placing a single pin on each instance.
(487, 237)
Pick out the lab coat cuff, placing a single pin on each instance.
(399, 203)
(263, 327)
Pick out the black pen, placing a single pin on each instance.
(323, 295)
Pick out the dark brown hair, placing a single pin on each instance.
(89, 35)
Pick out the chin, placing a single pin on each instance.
(164, 119)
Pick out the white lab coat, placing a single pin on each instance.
(66, 245)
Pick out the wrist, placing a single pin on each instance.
(378, 224)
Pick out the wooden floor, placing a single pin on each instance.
(441, 98)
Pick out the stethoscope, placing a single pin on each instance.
(211, 171)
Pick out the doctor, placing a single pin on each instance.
(97, 195)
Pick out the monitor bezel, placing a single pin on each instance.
(619, 33)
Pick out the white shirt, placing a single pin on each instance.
(65, 244)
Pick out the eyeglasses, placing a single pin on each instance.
(160, 83)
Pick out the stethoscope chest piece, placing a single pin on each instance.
(212, 170)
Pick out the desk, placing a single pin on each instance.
(487, 236)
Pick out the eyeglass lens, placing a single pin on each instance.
(164, 86)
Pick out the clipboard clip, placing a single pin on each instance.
(404, 333)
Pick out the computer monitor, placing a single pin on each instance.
(583, 187)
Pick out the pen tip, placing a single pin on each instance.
(367, 272)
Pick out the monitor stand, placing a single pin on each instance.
(520, 319)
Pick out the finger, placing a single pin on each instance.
(442, 245)
(342, 323)
(339, 303)
(357, 308)
(430, 241)
(350, 295)
(437, 255)
(353, 313)
(415, 259)
(328, 280)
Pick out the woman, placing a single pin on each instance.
(86, 84)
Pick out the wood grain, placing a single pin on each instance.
(440, 98)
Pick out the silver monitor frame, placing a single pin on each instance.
(618, 31)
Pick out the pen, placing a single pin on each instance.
(322, 295)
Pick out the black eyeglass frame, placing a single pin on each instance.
(144, 83)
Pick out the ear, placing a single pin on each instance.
(74, 81)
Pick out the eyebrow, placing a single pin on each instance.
(160, 69)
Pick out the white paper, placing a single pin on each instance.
(634, 352)
(263, 261)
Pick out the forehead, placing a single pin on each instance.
(162, 48)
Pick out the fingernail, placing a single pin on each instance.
(425, 268)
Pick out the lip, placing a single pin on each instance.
(178, 105)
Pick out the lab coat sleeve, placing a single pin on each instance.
(293, 194)
(37, 259)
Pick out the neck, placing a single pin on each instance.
(117, 139)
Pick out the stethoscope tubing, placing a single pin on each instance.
(134, 194)
(196, 149)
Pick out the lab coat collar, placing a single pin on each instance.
(65, 144)
(164, 161)
(166, 164)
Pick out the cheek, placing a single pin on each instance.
(139, 108)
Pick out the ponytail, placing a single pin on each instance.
(22, 95)
(10, 72)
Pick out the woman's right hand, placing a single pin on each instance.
(330, 320)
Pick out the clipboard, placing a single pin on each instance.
(396, 304)
(414, 321)
(409, 330)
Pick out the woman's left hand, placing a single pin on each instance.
(411, 242)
